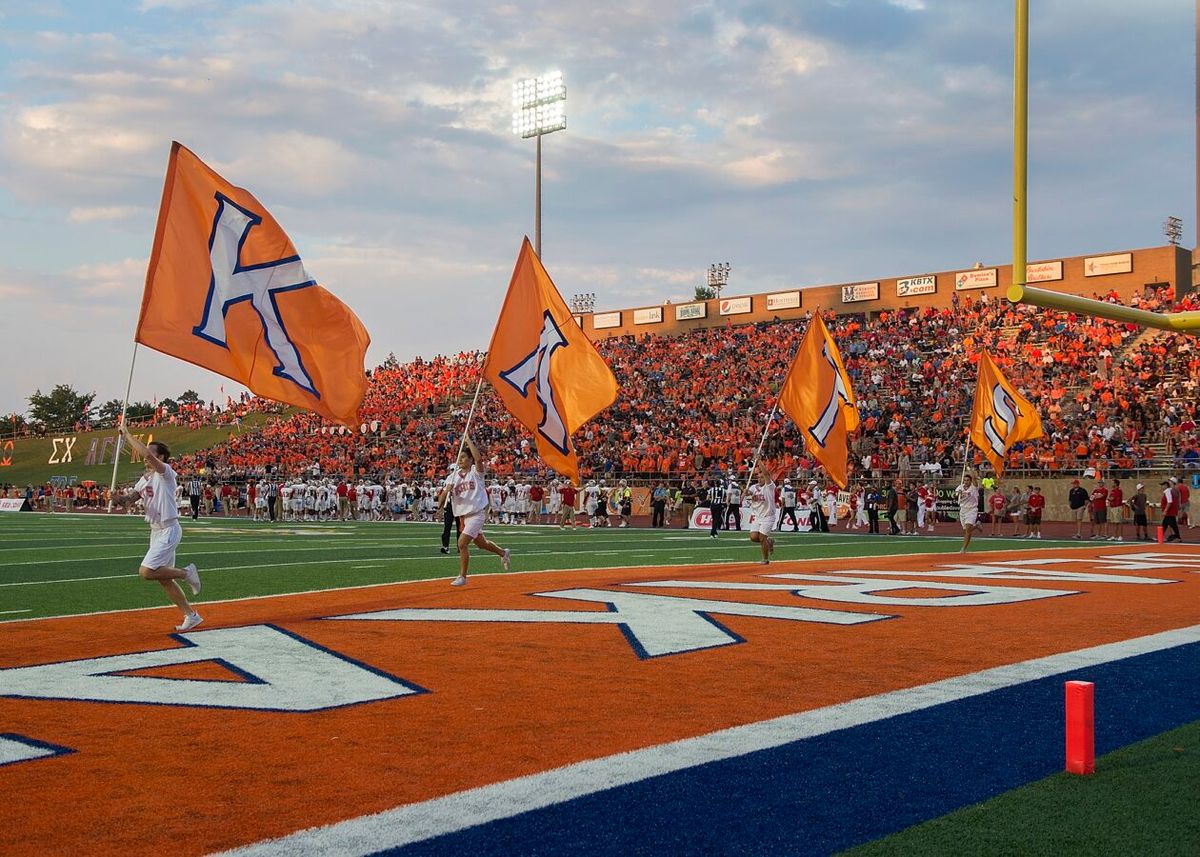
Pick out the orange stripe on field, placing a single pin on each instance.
(506, 699)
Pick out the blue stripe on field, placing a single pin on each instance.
(828, 793)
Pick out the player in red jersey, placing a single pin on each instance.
(1099, 501)
(569, 494)
(1116, 512)
(1037, 502)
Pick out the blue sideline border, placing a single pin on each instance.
(832, 792)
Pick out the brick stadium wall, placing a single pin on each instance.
(1152, 265)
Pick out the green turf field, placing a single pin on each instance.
(53, 565)
(1142, 800)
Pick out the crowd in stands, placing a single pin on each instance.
(1112, 397)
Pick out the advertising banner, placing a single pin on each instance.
(860, 292)
(1099, 266)
(736, 306)
(605, 320)
(688, 312)
(910, 286)
(650, 315)
(980, 278)
(1043, 272)
(783, 300)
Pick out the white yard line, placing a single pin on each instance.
(648, 566)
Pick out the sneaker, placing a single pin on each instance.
(764, 562)
(712, 535)
(190, 621)
(459, 581)
(1076, 537)
(506, 559)
(445, 550)
(1039, 535)
(192, 576)
(1120, 538)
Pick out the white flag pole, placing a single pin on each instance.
(112, 488)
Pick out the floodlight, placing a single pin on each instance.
(539, 105)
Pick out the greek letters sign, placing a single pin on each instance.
(605, 320)
(650, 315)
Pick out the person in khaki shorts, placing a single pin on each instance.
(1077, 501)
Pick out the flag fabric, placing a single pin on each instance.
(818, 397)
(1001, 416)
(545, 370)
(226, 290)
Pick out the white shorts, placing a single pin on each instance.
(762, 525)
(260, 502)
(163, 543)
(472, 524)
(969, 520)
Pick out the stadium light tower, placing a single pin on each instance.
(539, 108)
(718, 276)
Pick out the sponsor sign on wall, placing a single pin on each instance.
(783, 300)
(650, 315)
(736, 306)
(916, 286)
(1043, 272)
(13, 504)
(605, 320)
(980, 278)
(702, 519)
(687, 312)
(860, 292)
(1098, 266)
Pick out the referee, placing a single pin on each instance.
(716, 506)
(448, 517)
(195, 492)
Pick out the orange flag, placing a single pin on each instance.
(226, 290)
(545, 370)
(1001, 416)
(817, 396)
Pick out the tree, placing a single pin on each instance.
(169, 406)
(108, 413)
(705, 293)
(139, 411)
(61, 407)
(188, 397)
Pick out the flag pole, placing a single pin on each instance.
(462, 441)
(758, 452)
(112, 488)
(470, 415)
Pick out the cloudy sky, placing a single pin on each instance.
(804, 141)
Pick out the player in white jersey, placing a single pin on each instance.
(553, 501)
(364, 500)
(260, 501)
(761, 501)
(469, 498)
(157, 490)
(591, 502)
(524, 504)
(495, 498)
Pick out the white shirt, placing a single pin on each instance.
(468, 493)
(158, 495)
(762, 501)
(968, 499)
